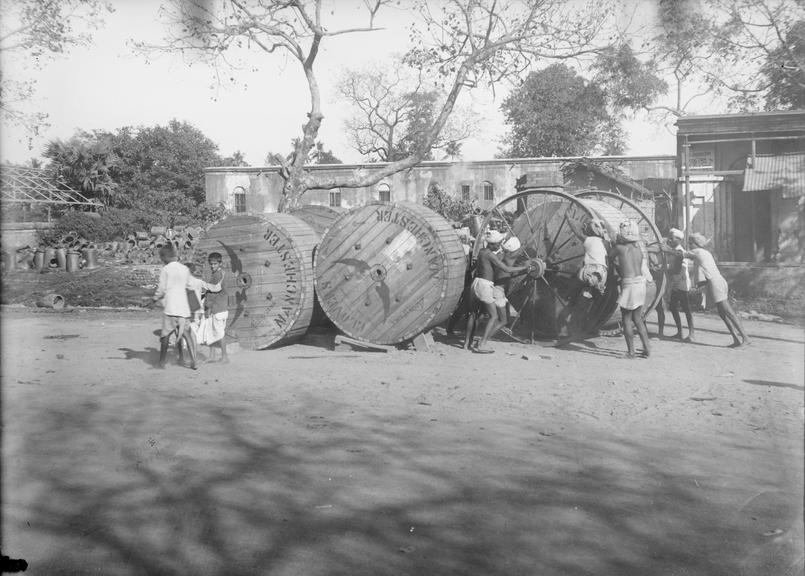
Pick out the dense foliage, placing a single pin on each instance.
(451, 208)
(145, 176)
(151, 175)
(556, 112)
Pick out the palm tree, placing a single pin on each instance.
(84, 165)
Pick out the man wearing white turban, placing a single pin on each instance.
(680, 284)
(631, 268)
(717, 287)
(483, 290)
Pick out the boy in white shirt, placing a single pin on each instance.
(172, 290)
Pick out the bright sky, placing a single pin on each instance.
(107, 86)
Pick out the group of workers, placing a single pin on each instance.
(627, 255)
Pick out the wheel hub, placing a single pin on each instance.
(536, 267)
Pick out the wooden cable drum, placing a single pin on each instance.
(268, 274)
(386, 272)
(613, 209)
(318, 217)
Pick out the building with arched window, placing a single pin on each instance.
(384, 192)
(482, 182)
(239, 200)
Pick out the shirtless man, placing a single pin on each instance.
(631, 268)
(483, 290)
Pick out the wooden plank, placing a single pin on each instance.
(387, 271)
(268, 268)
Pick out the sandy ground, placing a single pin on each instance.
(309, 461)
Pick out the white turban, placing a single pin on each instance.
(495, 236)
(629, 231)
(678, 234)
(512, 244)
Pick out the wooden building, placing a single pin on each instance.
(742, 180)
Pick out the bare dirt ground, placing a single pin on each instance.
(308, 461)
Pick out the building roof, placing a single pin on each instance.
(784, 172)
(611, 173)
(744, 123)
(447, 163)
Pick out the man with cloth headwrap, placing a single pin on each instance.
(633, 271)
(483, 290)
(593, 272)
(717, 287)
(680, 284)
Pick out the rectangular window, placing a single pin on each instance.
(240, 203)
(335, 198)
(465, 192)
(489, 193)
(385, 195)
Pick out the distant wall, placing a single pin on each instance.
(495, 178)
(20, 234)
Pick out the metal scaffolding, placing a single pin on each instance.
(20, 185)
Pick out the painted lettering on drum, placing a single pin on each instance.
(420, 234)
(343, 316)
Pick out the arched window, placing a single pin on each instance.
(384, 192)
(489, 191)
(335, 197)
(239, 194)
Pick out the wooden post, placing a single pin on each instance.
(686, 169)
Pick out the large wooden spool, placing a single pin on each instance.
(549, 225)
(268, 265)
(386, 272)
(318, 217)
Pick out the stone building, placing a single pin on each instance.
(256, 189)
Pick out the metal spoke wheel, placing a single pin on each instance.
(613, 209)
(548, 224)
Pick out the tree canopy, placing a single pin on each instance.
(741, 55)
(35, 31)
(157, 169)
(556, 112)
(463, 43)
(392, 109)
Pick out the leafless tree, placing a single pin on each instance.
(391, 104)
(462, 42)
(35, 31)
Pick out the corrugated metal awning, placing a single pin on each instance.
(784, 172)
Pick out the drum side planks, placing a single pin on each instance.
(268, 274)
(386, 272)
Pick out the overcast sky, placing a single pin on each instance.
(107, 86)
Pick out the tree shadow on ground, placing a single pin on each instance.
(775, 384)
(181, 486)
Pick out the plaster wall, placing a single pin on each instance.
(263, 186)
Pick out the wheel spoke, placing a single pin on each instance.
(563, 244)
(566, 259)
(554, 292)
(549, 251)
(506, 222)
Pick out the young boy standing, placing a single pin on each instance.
(216, 307)
(172, 290)
(631, 268)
